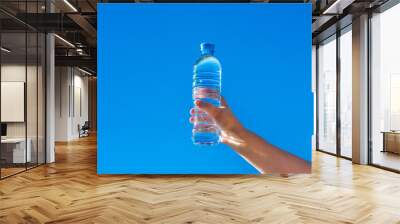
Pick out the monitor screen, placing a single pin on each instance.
(3, 129)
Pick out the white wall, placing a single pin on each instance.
(80, 109)
(62, 82)
(71, 102)
(16, 72)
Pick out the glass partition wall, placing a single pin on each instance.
(327, 95)
(345, 92)
(334, 90)
(22, 88)
(334, 93)
(385, 89)
(13, 90)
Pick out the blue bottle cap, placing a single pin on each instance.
(207, 48)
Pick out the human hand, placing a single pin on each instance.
(231, 128)
(264, 156)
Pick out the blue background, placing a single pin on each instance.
(145, 62)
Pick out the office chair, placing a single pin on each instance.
(84, 130)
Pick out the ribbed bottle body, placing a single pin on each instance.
(206, 87)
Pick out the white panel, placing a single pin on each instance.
(12, 101)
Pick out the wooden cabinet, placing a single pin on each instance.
(391, 142)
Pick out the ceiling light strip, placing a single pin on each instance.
(84, 71)
(70, 5)
(65, 41)
(5, 50)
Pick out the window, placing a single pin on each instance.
(385, 89)
(346, 92)
(327, 95)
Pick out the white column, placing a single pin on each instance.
(50, 92)
(50, 99)
(360, 90)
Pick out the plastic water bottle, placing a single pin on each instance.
(206, 87)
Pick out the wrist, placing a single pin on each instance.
(236, 137)
(241, 132)
(243, 135)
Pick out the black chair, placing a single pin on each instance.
(84, 130)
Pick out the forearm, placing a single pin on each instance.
(261, 154)
(266, 157)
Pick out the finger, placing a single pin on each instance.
(223, 102)
(194, 119)
(197, 111)
(207, 107)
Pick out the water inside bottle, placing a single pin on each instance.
(207, 88)
(205, 130)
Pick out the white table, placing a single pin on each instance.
(18, 145)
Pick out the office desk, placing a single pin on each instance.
(13, 150)
(391, 141)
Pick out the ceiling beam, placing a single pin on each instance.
(79, 61)
(86, 27)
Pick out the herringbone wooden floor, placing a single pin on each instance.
(69, 191)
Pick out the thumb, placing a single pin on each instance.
(223, 102)
(207, 107)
